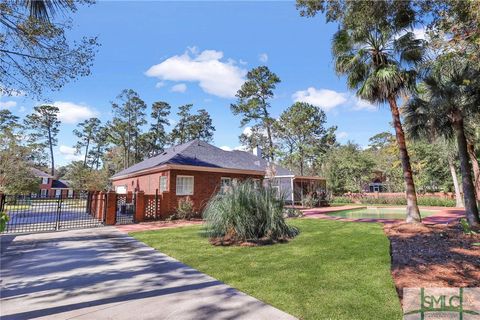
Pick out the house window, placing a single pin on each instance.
(44, 180)
(225, 185)
(43, 193)
(58, 193)
(163, 184)
(121, 189)
(70, 193)
(184, 186)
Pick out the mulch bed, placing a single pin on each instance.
(433, 256)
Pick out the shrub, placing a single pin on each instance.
(247, 214)
(292, 213)
(341, 200)
(401, 201)
(185, 209)
(310, 201)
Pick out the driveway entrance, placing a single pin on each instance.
(101, 273)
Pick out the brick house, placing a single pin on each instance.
(197, 170)
(50, 187)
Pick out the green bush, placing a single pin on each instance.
(341, 200)
(401, 201)
(185, 209)
(247, 214)
(436, 202)
(310, 201)
(292, 213)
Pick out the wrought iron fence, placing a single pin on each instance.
(38, 214)
(125, 209)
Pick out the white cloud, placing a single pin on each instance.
(8, 104)
(239, 148)
(73, 113)
(216, 77)
(322, 98)
(160, 84)
(342, 135)
(247, 131)
(359, 104)
(263, 57)
(69, 153)
(420, 33)
(181, 87)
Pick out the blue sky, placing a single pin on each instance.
(198, 52)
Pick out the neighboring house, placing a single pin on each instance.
(378, 182)
(50, 187)
(199, 170)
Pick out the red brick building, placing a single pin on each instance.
(196, 170)
(50, 187)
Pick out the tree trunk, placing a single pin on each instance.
(301, 160)
(453, 172)
(52, 172)
(475, 167)
(86, 154)
(471, 210)
(413, 214)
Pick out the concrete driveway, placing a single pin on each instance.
(105, 274)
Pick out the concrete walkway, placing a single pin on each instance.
(103, 273)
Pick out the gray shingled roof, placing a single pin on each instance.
(40, 173)
(202, 154)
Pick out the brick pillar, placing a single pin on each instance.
(139, 206)
(94, 203)
(129, 197)
(101, 207)
(164, 204)
(110, 214)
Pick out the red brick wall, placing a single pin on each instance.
(206, 184)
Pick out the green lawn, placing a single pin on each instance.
(332, 270)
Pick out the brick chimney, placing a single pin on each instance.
(257, 151)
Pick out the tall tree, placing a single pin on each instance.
(301, 129)
(158, 135)
(253, 137)
(253, 103)
(44, 123)
(449, 96)
(86, 132)
(129, 117)
(192, 126)
(373, 60)
(375, 49)
(35, 53)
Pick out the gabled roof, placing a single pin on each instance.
(202, 154)
(60, 184)
(40, 173)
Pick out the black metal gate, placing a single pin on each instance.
(125, 209)
(29, 214)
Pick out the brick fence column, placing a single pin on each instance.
(101, 210)
(139, 206)
(110, 214)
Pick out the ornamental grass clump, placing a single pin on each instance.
(247, 214)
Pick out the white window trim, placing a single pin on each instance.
(160, 184)
(224, 190)
(43, 180)
(187, 193)
(121, 186)
(43, 193)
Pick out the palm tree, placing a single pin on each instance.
(378, 64)
(443, 105)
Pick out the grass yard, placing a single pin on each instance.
(332, 270)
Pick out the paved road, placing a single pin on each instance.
(104, 274)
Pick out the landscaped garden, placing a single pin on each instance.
(331, 270)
